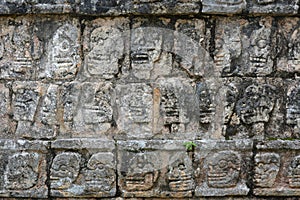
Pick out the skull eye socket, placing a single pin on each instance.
(222, 164)
(262, 43)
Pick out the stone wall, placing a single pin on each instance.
(156, 99)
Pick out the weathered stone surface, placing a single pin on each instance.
(252, 108)
(35, 109)
(190, 47)
(276, 168)
(223, 6)
(134, 102)
(288, 59)
(175, 108)
(86, 108)
(105, 48)
(23, 168)
(154, 168)
(221, 167)
(88, 170)
(277, 7)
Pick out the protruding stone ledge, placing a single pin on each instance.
(150, 7)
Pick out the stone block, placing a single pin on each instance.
(87, 108)
(275, 7)
(34, 107)
(175, 108)
(251, 108)
(135, 110)
(245, 47)
(223, 6)
(191, 44)
(83, 168)
(23, 168)
(154, 168)
(276, 171)
(222, 167)
(62, 49)
(151, 45)
(288, 59)
(105, 48)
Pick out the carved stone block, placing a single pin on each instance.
(105, 42)
(62, 60)
(98, 7)
(277, 171)
(20, 49)
(289, 57)
(223, 6)
(273, 6)
(150, 45)
(52, 6)
(222, 167)
(190, 44)
(35, 109)
(23, 168)
(87, 108)
(83, 168)
(245, 47)
(293, 108)
(135, 109)
(7, 126)
(248, 107)
(175, 107)
(154, 169)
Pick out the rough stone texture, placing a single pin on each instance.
(83, 168)
(154, 168)
(222, 167)
(23, 168)
(277, 174)
(149, 99)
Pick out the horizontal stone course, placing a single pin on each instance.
(156, 7)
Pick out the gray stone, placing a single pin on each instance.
(154, 168)
(33, 121)
(223, 6)
(87, 171)
(105, 48)
(135, 110)
(221, 167)
(278, 174)
(24, 169)
(277, 7)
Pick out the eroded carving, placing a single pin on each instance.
(100, 175)
(180, 177)
(260, 55)
(142, 174)
(21, 172)
(266, 169)
(206, 104)
(106, 50)
(294, 173)
(293, 107)
(256, 104)
(62, 61)
(64, 170)
(223, 169)
(170, 108)
(294, 51)
(146, 46)
(265, 1)
(25, 101)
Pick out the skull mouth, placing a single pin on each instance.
(140, 58)
(258, 61)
